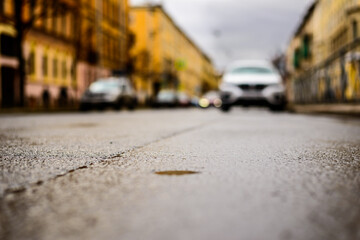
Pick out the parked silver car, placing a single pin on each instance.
(113, 92)
(252, 83)
(166, 98)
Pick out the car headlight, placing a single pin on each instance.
(217, 102)
(110, 97)
(278, 86)
(204, 103)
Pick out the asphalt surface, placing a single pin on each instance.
(179, 174)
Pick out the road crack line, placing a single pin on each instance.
(109, 159)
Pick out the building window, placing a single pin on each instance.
(73, 71)
(306, 51)
(115, 13)
(2, 3)
(7, 45)
(75, 22)
(106, 45)
(296, 60)
(45, 65)
(63, 24)
(70, 28)
(8, 7)
(355, 29)
(54, 21)
(32, 8)
(111, 49)
(45, 18)
(31, 63)
(105, 5)
(132, 19)
(64, 70)
(55, 68)
(110, 11)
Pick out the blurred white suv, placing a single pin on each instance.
(252, 83)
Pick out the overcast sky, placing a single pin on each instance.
(227, 30)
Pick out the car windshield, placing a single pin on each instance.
(166, 95)
(104, 86)
(211, 95)
(252, 70)
(183, 96)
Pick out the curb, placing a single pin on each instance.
(333, 109)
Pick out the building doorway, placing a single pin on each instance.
(7, 87)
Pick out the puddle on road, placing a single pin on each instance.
(175, 173)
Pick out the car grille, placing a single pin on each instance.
(96, 95)
(255, 87)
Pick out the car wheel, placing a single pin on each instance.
(101, 107)
(225, 108)
(84, 107)
(118, 105)
(277, 108)
(131, 106)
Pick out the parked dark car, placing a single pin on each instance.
(115, 92)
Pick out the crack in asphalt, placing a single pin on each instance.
(21, 189)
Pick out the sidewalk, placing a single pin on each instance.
(37, 110)
(350, 109)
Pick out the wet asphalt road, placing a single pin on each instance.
(258, 175)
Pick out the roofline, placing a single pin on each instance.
(306, 17)
(251, 62)
(182, 32)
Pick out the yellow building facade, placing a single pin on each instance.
(48, 51)
(323, 57)
(68, 47)
(164, 57)
(103, 39)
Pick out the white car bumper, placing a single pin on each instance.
(247, 94)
